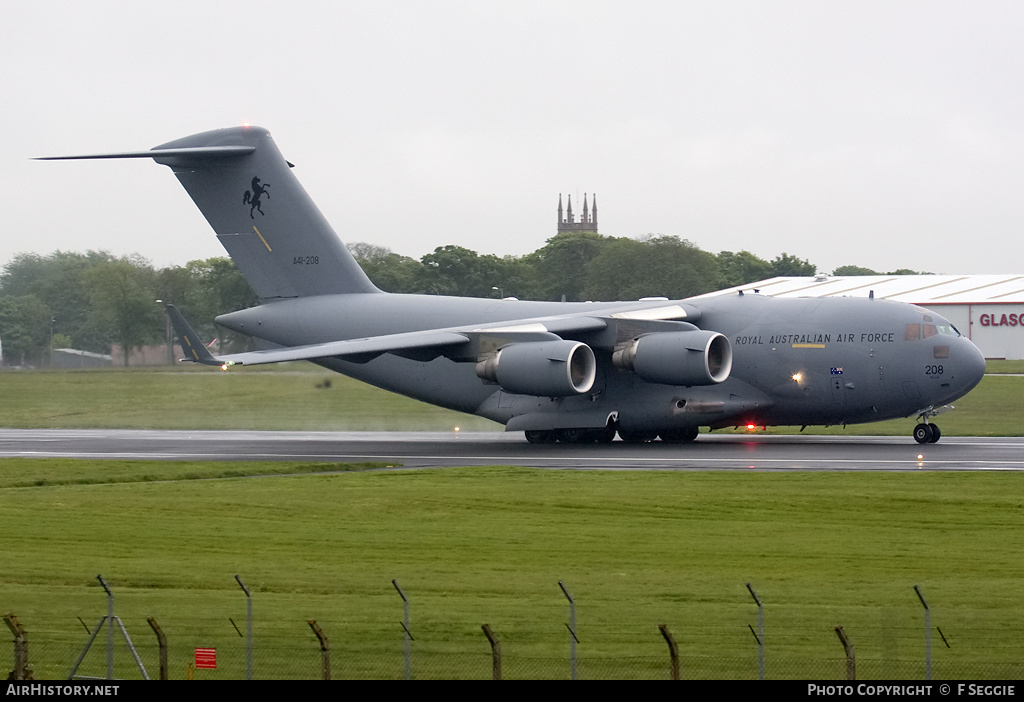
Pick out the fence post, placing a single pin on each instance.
(851, 663)
(110, 623)
(408, 633)
(573, 639)
(927, 635)
(248, 627)
(325, 648)
(161, 641)
(673, 650)
(495, 650)
(110, 620)
(760, 633)
(21, 669)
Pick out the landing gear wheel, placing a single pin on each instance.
(923, 434)
(936, 433)
(540, 437)
(603, 436)
(572, 436)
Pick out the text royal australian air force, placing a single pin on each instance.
(877, 337)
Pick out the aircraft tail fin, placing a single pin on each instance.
(260, 212)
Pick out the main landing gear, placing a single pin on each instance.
(572, 436)
(607, 435)
(927, 433)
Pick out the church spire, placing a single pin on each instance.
(588, 220)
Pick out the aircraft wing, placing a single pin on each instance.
(624, 314)
(461, 343)
(352, 349)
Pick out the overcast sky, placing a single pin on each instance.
(882, 134)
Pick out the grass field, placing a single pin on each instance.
(476, 545)
(1004, 366)
(297, 397)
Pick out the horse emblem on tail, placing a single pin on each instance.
(252, 198)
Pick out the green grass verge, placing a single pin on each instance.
(28, 472)
(297, 398)
(1004, 366)
(476, 545)
(294, 398)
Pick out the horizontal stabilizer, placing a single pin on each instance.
(193, 152)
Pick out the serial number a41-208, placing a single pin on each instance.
(305, 260)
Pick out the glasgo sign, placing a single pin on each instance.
(1001, 320)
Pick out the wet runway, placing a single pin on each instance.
(720, 451)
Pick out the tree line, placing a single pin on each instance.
(575, 266)
(92, 300)
(578, 266)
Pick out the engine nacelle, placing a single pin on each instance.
(544, 368)
(695, 357)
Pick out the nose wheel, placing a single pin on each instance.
(927, 433)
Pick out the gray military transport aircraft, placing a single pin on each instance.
(560, 371)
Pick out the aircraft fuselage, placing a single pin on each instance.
(795, 361)
(558, 371)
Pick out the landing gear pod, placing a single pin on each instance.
(677, 358)
(544, 368)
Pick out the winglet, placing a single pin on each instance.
(191, 345)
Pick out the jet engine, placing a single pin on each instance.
(695, 357)
(545, 368)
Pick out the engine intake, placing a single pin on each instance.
(677, 358)
(544, 368)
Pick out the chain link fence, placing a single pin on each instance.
(51, 657)
(542, 646)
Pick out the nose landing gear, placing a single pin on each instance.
(927, 433)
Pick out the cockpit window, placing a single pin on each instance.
(915, 332)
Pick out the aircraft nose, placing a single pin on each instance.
(972, 364)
